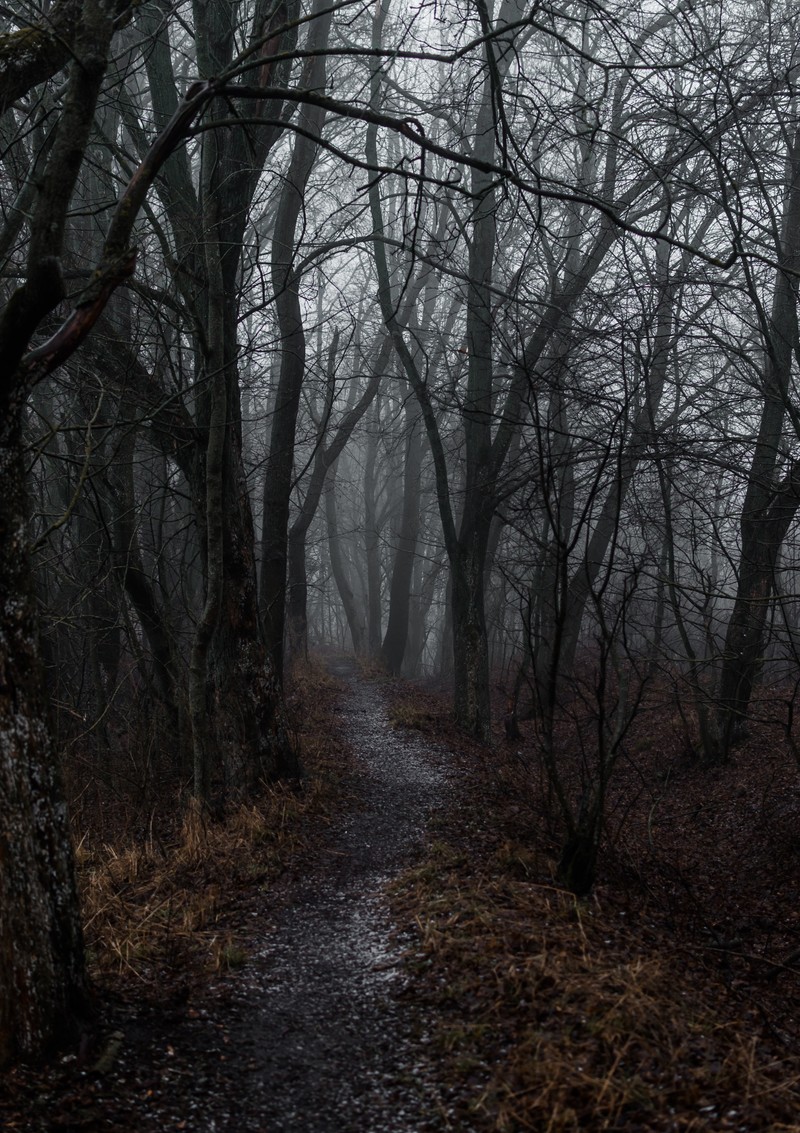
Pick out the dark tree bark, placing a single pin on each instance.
(770, 504)
(372, 535)
(425, 588)
(42, 981)
(467, 541)
(142, 594)
(39, 50)
(326, 457)
(427, 284)
(341, 573)
(42, 984)
(286, 284)
(394, 642)
(236, 708)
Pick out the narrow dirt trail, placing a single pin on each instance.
(321, 1039)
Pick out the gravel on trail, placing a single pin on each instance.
(322, 1035)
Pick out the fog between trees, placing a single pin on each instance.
(463, 337)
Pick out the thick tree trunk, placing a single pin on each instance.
(468, 563)
(42, 988)
(762, 539)
(137, 584)
(768, 507)
(236, 708)
(42, 980)
(470, 647)
(341, 574)
(372, 544)
(286, 285)
(444, 649)
(394, 643)
(297, 593)
(250, 722)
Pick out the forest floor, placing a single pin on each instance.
(385, 950)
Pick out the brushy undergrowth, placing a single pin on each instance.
(404, 715)
(553, 1014)
(565, 1021)
(163, 902)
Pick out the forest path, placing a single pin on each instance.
(320, 1038)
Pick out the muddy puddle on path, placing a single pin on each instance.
(320, 1038)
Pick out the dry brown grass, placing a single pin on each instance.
(309, 680)
(554, 1015)
(166, 901)
(568, 1021)
(405, 715)
(372, 669)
